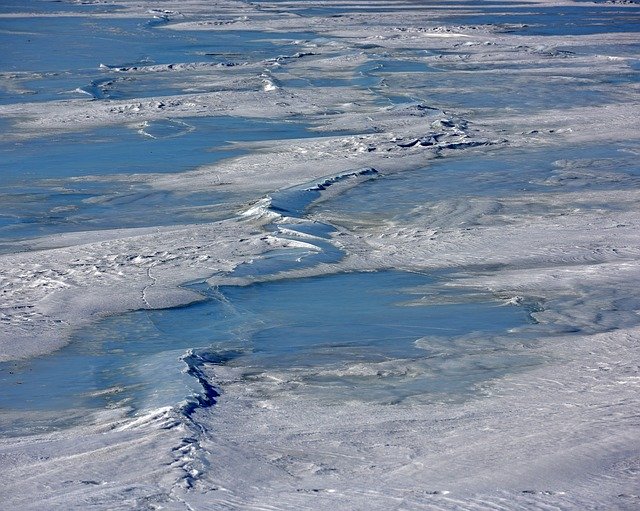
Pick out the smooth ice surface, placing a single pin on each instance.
(89, 180)
(326, 323)
(485, 183)
(58, 57)
(93, 179)
(551, 20)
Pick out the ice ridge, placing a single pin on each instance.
(196, 360)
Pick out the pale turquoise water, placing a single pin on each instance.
(533, 19)
(488, 178)
(65, 53)
(40, 192)
(333, 321)
(47, 183)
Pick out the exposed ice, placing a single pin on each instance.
(474, 83)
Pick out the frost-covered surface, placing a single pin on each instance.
(559, 435)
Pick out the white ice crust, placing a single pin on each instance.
(562, 435)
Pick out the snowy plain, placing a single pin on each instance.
(491, 146)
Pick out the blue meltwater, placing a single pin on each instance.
(383, 336)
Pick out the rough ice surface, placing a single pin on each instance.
(319, 255)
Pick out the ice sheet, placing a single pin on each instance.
(504, 137)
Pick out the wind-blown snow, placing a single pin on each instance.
(559, 435)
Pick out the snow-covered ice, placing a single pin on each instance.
(222, 176)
